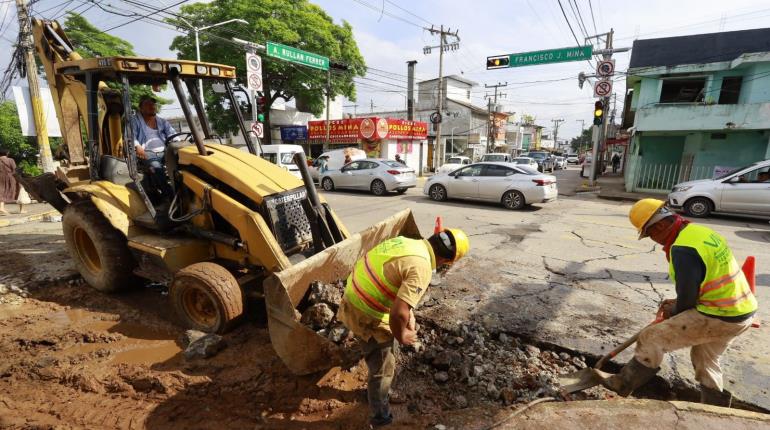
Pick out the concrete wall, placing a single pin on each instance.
(738, 149)
(756, 84)
(695, 117)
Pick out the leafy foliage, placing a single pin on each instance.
(581, 142)
(90, 42)
(21, 148)
(296, 23)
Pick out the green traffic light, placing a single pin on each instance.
(261, 117)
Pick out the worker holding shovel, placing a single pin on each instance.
(379, 297)
(714, 302)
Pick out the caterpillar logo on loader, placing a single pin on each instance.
(232, 221)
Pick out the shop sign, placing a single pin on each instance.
(351, 129)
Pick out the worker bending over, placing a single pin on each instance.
(713, 305)
(379, 297)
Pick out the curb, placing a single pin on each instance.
(28, 218)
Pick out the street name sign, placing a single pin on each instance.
(559, 55)
(298, 56)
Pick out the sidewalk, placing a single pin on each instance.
(34, 212)
(612, 187)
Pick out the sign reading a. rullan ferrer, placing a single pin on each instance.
(354, 129)
(298, 56)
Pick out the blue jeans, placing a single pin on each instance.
(155, 179)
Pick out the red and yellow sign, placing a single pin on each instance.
(353, 129)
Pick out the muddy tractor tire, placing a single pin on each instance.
(100, 252)
(206, 297)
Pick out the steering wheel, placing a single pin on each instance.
(187, 134)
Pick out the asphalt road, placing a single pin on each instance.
(572, 273)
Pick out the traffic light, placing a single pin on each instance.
(498, 62)
(598, 113)
(260, 109)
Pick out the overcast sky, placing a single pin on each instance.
(389, 37)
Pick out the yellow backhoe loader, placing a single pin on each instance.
(232, 222)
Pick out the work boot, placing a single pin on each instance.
(633, 375)
(381, 420)
(712, 396)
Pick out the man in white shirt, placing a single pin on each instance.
(150, 134)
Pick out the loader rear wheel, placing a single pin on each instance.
(207, 297)
(100, 251)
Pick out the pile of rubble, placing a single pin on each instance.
(323, 302)
(468, 366)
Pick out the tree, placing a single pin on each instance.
(581, 142)
(21, 148)
(89, 42)
(296, 23)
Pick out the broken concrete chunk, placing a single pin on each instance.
(318, 316)
(441, 376)
(205, 346)
(190, 336)
(331, 294)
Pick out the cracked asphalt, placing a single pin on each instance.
(572, 273)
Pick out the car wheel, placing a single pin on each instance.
(378, 188)
(698, 207)
(513, 200)
(327, 184)
(437, 192)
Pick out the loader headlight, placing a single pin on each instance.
(201, 70)
(155, 67)
(215, 71)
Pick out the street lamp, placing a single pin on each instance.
(198, 45)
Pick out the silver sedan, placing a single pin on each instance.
(512, 185)
(376, 175)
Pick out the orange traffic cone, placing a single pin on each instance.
(437, 229)
(748, 271)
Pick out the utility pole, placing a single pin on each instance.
(371, 105)
(556, 123)
(491, 123)
(599, 132)
(443, 45)
(354, 108)
(582, 129)
(410, 106)
(27, 46)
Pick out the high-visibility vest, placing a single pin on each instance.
(725, 290)
(367, 289)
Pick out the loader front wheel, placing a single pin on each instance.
(207, 297)
(100, 252)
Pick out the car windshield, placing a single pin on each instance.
(287, 158)
(540, 155)
(724, 175)
(528, 170)
(271, 157)
(392, 164)
(494, 157)
(454, 160)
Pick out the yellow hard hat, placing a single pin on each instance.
(462, 244)
(642, 211)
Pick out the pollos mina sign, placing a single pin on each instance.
(351, 129)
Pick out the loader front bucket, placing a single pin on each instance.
(303, 350)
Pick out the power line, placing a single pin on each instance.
(382, 11)
(578, 17)
(591, 7)
(144, 16)
(410, 13)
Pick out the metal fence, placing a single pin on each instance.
(660, 178)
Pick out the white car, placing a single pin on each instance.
(374, 174)
(560, 162)
(514, 186)
(744, 191)
(335, 159)
(282, 155)
(454, 163)
(497, 156)
(526, 161)
(573, 159)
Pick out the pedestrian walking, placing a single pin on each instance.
(9, 187)
(615, 162)
(398, 158)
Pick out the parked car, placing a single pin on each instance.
(560, 162)
(743, 191)
(282, 155)
(512, 185)
(454, 163)
(374, 174)
(497, 156)
(335, 160)
(573, 159)
(525, 161)
(544, 160)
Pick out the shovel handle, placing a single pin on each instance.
(616, 351)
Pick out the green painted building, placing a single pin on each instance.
(695, 106)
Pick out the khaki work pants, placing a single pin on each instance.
(708, 337)
(381, 360)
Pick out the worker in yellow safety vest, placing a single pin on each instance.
(714, 302)
(379, 297)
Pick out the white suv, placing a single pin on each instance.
(742, 191)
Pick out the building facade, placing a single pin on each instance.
(696, 106)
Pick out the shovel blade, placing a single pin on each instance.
(581, 380)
